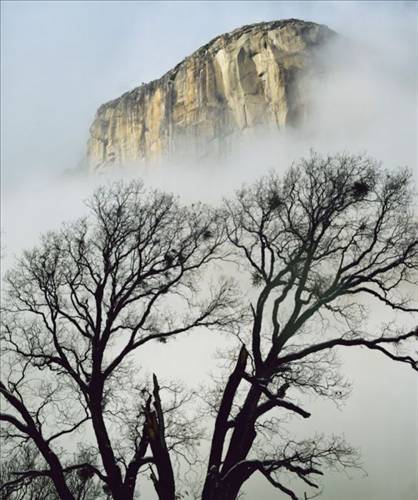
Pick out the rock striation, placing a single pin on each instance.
(256, 75)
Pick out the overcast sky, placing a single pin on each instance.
(61, 60)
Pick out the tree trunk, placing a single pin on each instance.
(113, 472)
(219, 484)
(215, 490)
(61, 486)
(244, 431)
(57, 473)
(155, 427)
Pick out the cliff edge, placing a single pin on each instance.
(254, 75)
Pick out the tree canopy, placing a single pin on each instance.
(312, 250)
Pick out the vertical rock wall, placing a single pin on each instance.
(255, 75)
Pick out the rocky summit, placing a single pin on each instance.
(255, 75)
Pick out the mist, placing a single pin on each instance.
(61, 60)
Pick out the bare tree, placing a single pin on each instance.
(75, 310)
(22, 480)
(318, 247)
(334, 235)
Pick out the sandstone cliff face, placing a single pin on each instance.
(255, 75)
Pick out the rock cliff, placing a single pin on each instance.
(255, 75)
